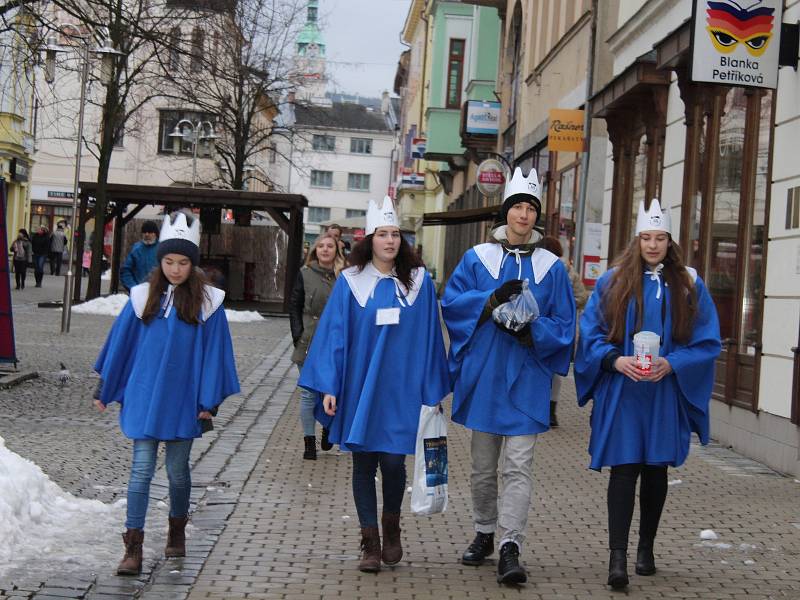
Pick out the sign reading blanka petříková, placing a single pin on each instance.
(737, 42)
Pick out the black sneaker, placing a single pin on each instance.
(481, 547)
(509, 570)
(324, 444)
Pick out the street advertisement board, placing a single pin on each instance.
(737, 42)
(482, 118)
(8, 352)
(565, 133)
(590, 269)
(491, 177)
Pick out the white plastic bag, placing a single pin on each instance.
(429, 488)
(520, 310)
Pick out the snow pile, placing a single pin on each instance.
(242, 316)
(708, 534)
(113, 305)
(108, 305)
(40, 520)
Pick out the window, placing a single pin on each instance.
(455, 73)
(317, 214)
(198, 38)
(167, 121)
(174, 63)
(361, 145)
(321, 179)
(324, 143)
(352, 213)
(273, 153)
(793, 208)
(312, 14)
(358, 182)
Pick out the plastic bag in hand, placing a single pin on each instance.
(520, 310)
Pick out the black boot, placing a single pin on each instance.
(618, 569)
(481, 547)
(508, 568)
(324, 443)
(645, 561)
(310, 452)
(553, 418)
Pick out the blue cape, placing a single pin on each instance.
(166, 372)
(380, 374)
(647, 422)
(499, 385)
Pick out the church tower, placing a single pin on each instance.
(310, 58)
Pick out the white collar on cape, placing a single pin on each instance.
(362, 283)
(492, 254)
(211, 302)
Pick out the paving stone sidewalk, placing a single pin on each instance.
(294, 532)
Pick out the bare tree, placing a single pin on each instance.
(243, 74)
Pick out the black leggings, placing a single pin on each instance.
(621, 498)
(20, 269)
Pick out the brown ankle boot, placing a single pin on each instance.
(392, 546)
(131, 563)
(370, 550)
(176, 537)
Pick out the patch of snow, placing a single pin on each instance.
(675, 482)
(745, 547)
(38, 518)
(107, 305)
(708, 534)
(242, 316)
(749, 561)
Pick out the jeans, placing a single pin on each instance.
(143, 466)
(622, 497)
(512, 456)
(393, 479)
(308, 401)
(38, 267)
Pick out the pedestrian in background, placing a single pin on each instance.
(41, 252)
(581, 296)
(311, 290)
(21, 253)
(58, 242)
(642, 420)
(169, 361)
(502, 377)
(377, 356)
(141, 259)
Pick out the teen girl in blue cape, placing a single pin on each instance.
(642, 423)
(168, 361)
(377, 356)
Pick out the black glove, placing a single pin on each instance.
(508, 289)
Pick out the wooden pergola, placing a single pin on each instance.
(285, 209)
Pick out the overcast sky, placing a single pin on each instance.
(363, 43)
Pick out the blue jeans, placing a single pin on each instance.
(143, 467)
(307, 402)
(393, 479)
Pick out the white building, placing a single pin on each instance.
(725, 158)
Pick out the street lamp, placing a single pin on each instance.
(108, 55)
(194, 133)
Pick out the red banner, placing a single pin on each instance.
(8, 351)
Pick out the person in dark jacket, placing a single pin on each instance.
(309, 295)
(58, 243)
(142, 257)
(21, 252)
(41, 252)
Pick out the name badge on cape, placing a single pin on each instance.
(387, 316)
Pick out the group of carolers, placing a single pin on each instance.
(370, 347)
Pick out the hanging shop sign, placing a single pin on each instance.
(482, 118)
(19, 170)
(736, 42)
(491, 177)
(413, 180)
(418, 147)
(591, 268)
(566, 130)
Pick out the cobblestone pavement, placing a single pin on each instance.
(270, 525)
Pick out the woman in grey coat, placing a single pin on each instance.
(309, 296)
(21, 254)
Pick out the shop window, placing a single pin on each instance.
(455, 73)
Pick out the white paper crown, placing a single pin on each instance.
(655, 219)
(180, 230)
(519, 184)
(381, 216)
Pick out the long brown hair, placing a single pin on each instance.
(405, 261)
(626, 283)
(187, 300)
(338, 257)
